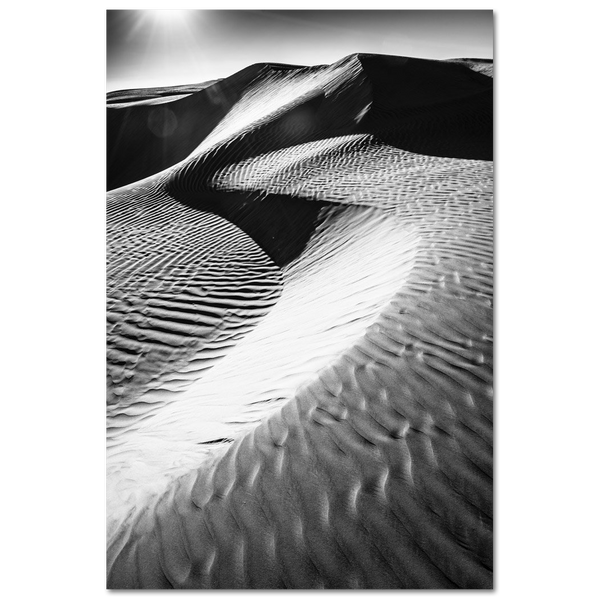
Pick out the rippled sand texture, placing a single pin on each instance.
(300, 328)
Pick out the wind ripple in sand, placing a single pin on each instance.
(354, 263)
(178, 280)
(342, 436)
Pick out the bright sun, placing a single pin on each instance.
(167, 16)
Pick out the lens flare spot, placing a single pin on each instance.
(162, 122)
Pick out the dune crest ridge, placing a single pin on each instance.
(300, 328)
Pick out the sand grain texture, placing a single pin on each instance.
(300, 329)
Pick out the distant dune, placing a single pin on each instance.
(300, 328)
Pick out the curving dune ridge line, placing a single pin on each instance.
(300, 329)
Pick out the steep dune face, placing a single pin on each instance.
(145, 136)
(301, 329)
(429, 107)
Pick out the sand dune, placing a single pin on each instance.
(300, 328)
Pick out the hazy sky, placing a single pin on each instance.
(148, 48)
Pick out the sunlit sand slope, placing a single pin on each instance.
(300, 329)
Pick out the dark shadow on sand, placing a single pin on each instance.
(145, 139)
(429, 107)
(281, 225)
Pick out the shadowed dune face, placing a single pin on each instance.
(146, 136)
(429, 107)
(300, 329)
(280, 224)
